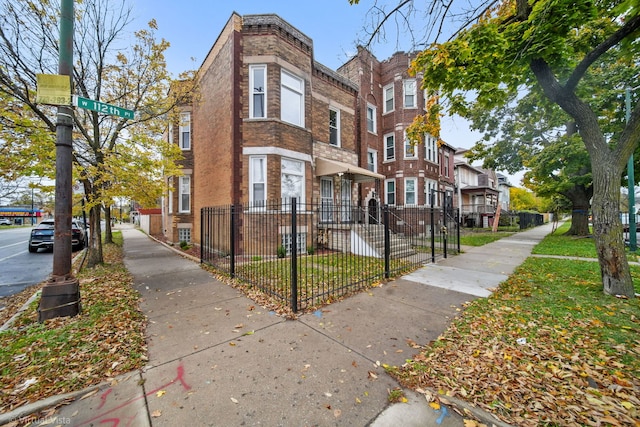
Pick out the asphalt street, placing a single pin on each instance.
(20, 269)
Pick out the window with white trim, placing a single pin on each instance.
(390, 191)
(257, 180)
(372, 160)
(291, 99)
(292, 180)
(409, 148)
(171, 133)
(430, 186)
(425, 96)
(170, 196)
(184, 189)
(410, 95)
(410, 193)
(388, 99)
(185, 131)
(371, 119)
(431, 148)
(389, 147)
(257, 91)
(334, 127)
(446, 165)
(326, 199)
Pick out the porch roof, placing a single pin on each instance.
(325, 167)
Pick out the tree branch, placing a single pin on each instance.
(628, 28)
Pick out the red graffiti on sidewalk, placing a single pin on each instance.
(103, 398)
(115, 421)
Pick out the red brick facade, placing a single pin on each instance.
(374, 78)
(264, 105)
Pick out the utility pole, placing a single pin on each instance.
(633, 242)
(61, 293)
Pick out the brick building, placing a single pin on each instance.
(268, 123)
(388, 100)
(177, 204)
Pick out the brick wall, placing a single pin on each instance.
(372, 76)
(212, 124)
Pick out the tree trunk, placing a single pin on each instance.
(580, 197)
(579, 222)
(607, 164)
(108, 235)
(607, 229)
(94, 256)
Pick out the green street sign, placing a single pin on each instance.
(101, 107)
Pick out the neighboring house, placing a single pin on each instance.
(504, 186)
(477, 192)
(177, 203)
(388, 101)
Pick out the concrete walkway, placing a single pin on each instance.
(216, 358)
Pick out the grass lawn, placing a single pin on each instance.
(482, 238)
(547, 348)
(69, 354)
(559, 244)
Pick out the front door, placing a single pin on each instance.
(373, 211)
(326, 200)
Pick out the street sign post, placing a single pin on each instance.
(101, 107)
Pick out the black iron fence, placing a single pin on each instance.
(307, 254)
(509, 219)
(529, 219)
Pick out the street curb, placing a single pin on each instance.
(22, 309)
(41, 405)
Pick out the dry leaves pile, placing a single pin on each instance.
(68, 354)
(532, 365)
(12, 303)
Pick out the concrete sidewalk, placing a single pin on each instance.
(217, 358)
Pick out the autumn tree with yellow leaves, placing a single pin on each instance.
(509, 46)
(112, 156)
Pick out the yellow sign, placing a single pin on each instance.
(53, 89)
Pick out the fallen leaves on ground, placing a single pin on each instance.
(573, 369)
(61, 355)
(13, 303)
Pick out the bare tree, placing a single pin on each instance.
(113, 156)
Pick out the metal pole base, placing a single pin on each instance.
(60, 298)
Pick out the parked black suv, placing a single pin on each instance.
(42, 236)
